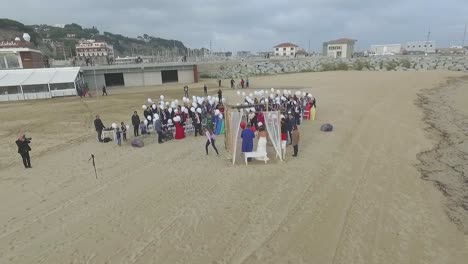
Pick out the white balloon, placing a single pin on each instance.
(220, 116)
(167, 103)
(170, 110)
(127, 126)
(238, 93)
(209, 97)
(26, 37)
(289, 92)
(266, 100)
(309, 95)
(114, 125)
(211, 102)
(192, 109)
(145, 122)
(271, 96)
(153, 106)
(304, 94)
(237, 104)
(144, 107)
(251, 95)
(183, 109)
(186, 111)
(252, 109)
(217, 112)
(161, 97)
(216, 99)
(177, 119)
(194, 104)
(243, 93)
(162, 106)
(223, 100)
(156, 117)
(149, 118)
(272, 90)
(184, 98)
(176, 102)
(150, 101)
(169, 121)
(199, 110)
(176, 111)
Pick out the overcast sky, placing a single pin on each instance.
(256, 25)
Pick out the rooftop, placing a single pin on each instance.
(342, 41)
(285, 45)
(10, 50)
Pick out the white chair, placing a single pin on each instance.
(255, 154)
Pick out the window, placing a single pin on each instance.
(284, 54)
(431, 45)
(292, 53)
(425, 46)
(292, 48)
(408, 46)
(419, 45)
(277, 49)
(284, 49)
(414, 46)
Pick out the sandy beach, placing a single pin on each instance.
(363, 193)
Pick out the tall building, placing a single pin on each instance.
(99, 52)
(285, 49)
(339, 48)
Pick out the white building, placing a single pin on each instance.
(339, 48)
(98, 51)
(421, 46)
(26, 84)
(285, 49)
(386, 49)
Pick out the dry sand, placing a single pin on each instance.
(352, 196)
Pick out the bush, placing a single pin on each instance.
(381, 64)
(205, 75)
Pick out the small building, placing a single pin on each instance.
(285, 49)
(386, 49)
(71, 35)
(26, 84)
(21, 58)
(99, 52)
(243, 53)
(132, 75)
(414, 47)
(339, 48)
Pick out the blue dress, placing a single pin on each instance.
(247, 140)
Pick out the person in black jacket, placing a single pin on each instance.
(23, 150)
(135, 123)
(99, 127)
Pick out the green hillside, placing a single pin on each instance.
(43, 35)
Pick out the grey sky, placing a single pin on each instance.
(256, 25)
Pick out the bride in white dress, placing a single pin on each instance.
(262, 141)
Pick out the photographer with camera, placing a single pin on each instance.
(23, 150)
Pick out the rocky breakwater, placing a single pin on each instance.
(318, 64)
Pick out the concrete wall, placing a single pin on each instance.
(153, 78)
(89, 79)
(186, 76)
(133, 78)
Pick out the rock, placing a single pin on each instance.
(137, 143)
(326, 128)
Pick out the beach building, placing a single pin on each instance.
(339, 48)
(98, 51)
(132, 75)
(27, 84)
(285, 49)
(386, 49)
(420, 47)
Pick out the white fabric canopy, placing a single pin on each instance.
(38, 76)
(273, 127)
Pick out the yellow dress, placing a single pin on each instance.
(312, 113)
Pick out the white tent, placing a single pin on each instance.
(26, 84)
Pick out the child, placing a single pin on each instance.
(124, 130)
(119, 137)
(295, 140)
(143, 128)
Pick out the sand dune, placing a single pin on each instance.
(352, 196)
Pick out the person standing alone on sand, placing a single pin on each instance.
(232, 83)
(186, 91)
(211, 140)
(205, 89)
(23, 150)
(295, 140)
(124, 130)
(135, 123)
(219, 83)
(104, 91)
(99, 127)
(220, 95)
